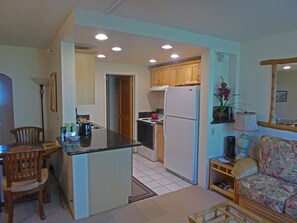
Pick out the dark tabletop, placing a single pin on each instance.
(101, 140)
(48, 147)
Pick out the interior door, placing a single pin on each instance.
(6, 110)
(125, 106)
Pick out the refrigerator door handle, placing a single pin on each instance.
(165, 128)
(165, 101)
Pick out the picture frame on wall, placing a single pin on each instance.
(281, 96)
(53, 92)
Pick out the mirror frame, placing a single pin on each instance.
(271, 123)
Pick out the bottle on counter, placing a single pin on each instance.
(63, 133)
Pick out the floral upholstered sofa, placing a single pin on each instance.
(269, 186)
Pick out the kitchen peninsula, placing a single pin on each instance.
(96, 173)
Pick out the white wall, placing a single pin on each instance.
(255, 80)
(144, 99)
(21, 64)
(211, 136)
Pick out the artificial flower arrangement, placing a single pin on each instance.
(223, 95)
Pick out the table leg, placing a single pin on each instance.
(1, 202)
(47, 195)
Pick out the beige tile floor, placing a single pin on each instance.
(155, 176)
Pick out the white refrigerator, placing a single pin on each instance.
(181, 131)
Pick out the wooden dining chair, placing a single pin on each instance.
(1, 202)
(23, 176)
(28, 135)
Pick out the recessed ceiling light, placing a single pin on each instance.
(174, 56)
(166, 47)
(101, 56)
(116, 49)
(286, 67)
(101, 36)
(152, 61)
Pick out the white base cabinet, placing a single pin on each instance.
(98, 181)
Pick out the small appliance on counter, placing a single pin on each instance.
(86, 141)
(154, 116)
(85, 128)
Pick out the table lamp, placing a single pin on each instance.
(244, 121)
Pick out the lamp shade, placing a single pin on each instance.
(245, 121)
(40, 81)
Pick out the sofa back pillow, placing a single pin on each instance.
(278, 158)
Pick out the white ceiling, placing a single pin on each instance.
(34, 23)
(136, 49)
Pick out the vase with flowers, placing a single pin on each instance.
(223, 112)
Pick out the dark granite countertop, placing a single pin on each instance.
(102, 139)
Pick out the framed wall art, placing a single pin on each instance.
(53, 92)
(281, 96)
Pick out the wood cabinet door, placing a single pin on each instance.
(171, 79)
(160, 143)
(85, 78)
(192, 73)
(188, 73)
(155, 77)
(179, 76)
(196, 73)
(164, 76)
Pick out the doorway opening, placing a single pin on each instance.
(119, 104)
(6, 109)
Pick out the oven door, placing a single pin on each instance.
(145, 134)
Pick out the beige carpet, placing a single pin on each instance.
(173, 207)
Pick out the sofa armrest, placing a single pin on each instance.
(244, 167)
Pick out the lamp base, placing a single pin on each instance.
(244, 143)
(241, 154)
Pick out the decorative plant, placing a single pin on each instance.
(223, 95)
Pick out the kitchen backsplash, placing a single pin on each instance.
(149, 114)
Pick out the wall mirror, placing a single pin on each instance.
(283, 106)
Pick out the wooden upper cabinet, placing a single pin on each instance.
(85, 77)
(196, 73)
(155, 78)
(192, 74)
(187, 71)
(177, 75)
(171, 77)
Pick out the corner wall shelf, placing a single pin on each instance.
(221, 121)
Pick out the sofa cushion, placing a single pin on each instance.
(268, 191)
(291, 207)
(278, 158)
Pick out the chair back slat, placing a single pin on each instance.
(27, 135)
(23, 165)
